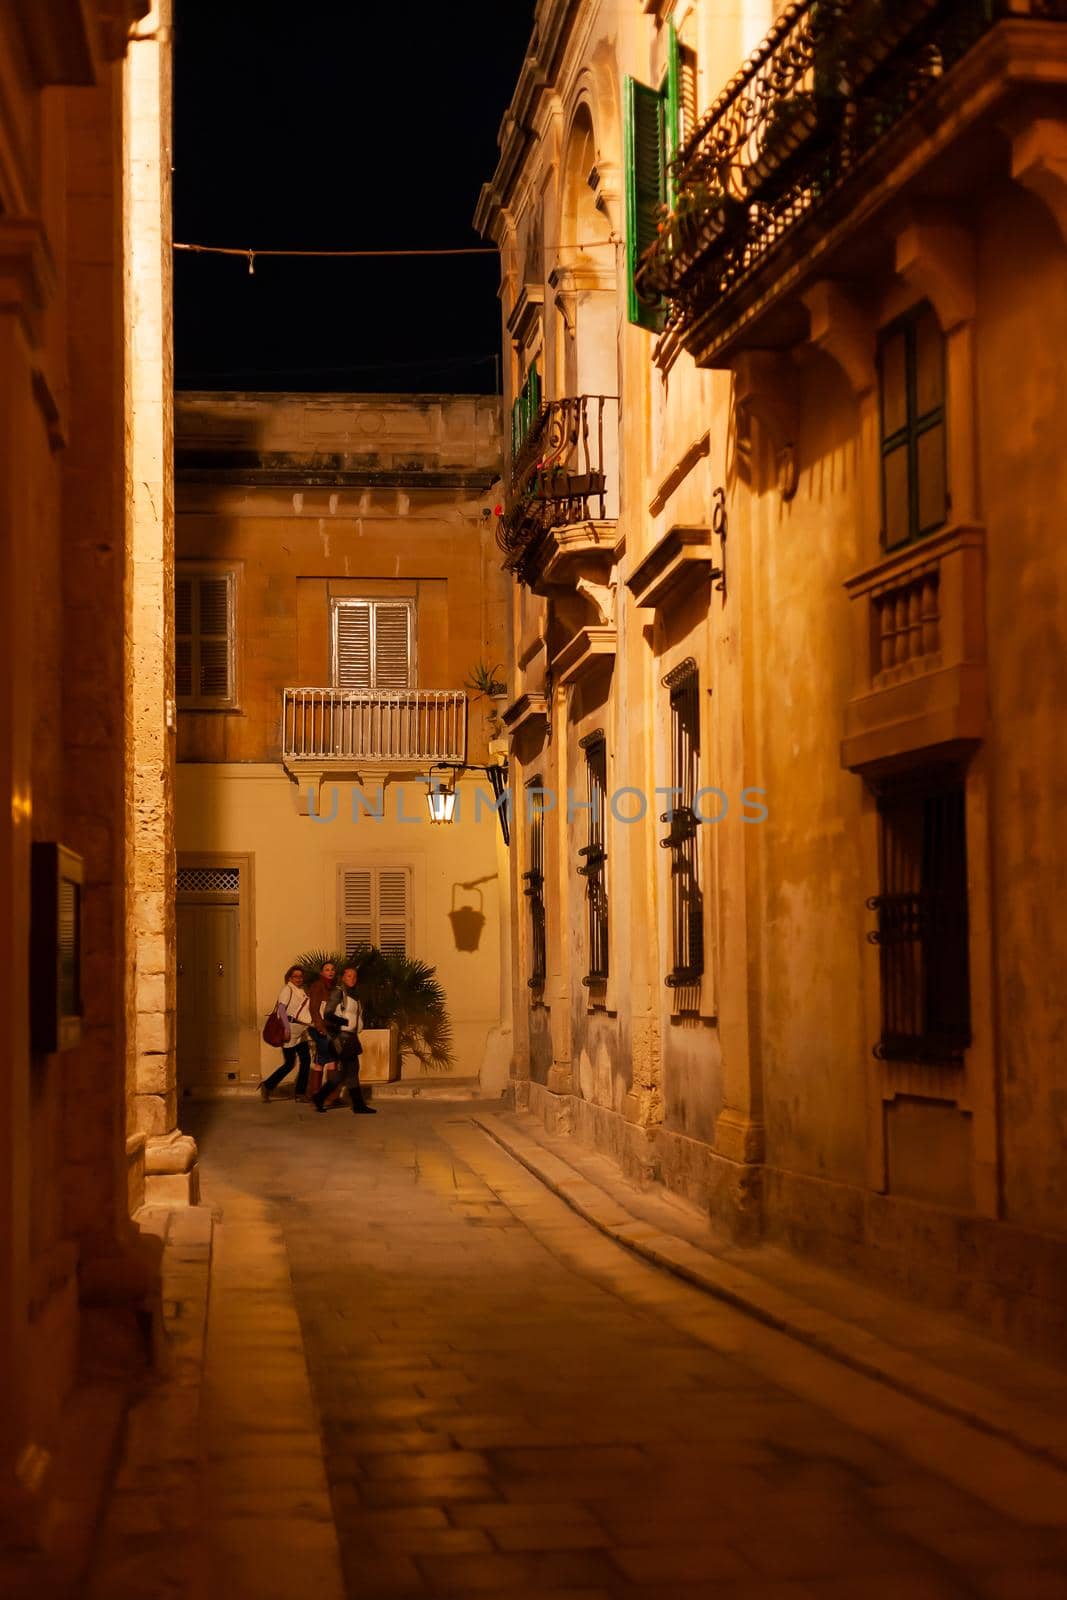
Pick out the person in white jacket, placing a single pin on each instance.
(344, 1018)
(295, 1007)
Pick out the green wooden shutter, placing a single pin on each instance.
(672, 110)
(645, 190)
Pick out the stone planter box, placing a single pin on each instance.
(380, 1061)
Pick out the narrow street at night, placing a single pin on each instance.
(506, 1402)
(533, 677)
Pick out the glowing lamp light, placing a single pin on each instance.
(441, 798)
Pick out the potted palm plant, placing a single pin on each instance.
(404, 1010)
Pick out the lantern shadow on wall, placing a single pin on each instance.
(468, 921)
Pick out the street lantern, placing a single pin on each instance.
(441, 797)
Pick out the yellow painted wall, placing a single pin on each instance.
(250, 808)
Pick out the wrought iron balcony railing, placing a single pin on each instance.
(794, 128)
(416, 726)
(563, 472)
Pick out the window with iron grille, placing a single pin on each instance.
(594, 856)
(373, 644)
(922, 920)
(687, 900)
(911, 373)
(534, 880)
(204, 638)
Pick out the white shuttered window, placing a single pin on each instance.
(204, 639)
(374, 644)
(374, 907)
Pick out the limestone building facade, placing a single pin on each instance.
(87, 1105)
(783, 310)
(337, 588)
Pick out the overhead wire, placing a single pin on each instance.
(250, 253)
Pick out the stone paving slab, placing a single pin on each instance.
(1021, 1401)
(505, 1401)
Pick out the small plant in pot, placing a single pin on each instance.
(401, 992)
(485, 680)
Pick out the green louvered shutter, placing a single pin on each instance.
(645, 190)
(672, 115)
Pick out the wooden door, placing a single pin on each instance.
(208, 994)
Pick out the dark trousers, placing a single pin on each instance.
(345, 1077)
(290, 1056)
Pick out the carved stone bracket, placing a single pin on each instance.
(605, 180)
(1039, 163)
(602, 598)
(838, 326)
(937, 259)
(765, 387)
(577, 273)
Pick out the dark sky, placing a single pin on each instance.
(338, 124)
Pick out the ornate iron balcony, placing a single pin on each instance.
(793, 128)
(559, 476)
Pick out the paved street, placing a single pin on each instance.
(512, 1404)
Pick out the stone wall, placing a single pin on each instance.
(749, 540)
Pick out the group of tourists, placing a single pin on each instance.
(325, 1019)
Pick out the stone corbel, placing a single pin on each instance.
(937, 259)
(602, 598)
(565, 296)
(605, 181)
(845, 332)
(1039, 163)
(765, 387)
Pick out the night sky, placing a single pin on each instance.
(338, 125)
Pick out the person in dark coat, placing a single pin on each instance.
(343, 1015)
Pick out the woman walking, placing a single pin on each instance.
(344, 1016)
(293, 1005)
(318, 998)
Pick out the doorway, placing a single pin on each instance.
(209, 977)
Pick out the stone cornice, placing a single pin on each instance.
(680, 560)
(555, 22)
(219, 470)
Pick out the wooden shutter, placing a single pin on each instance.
(393, 910)
(352, 646)
(373, 644)
(672, 109)
(375, 908)
(184, 643)
(392, 646)
(214, 638)
(645, 190)
(203, 638)
(357, 907)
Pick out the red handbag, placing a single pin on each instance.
(275, 1030)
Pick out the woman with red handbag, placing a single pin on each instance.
(294, 1009)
